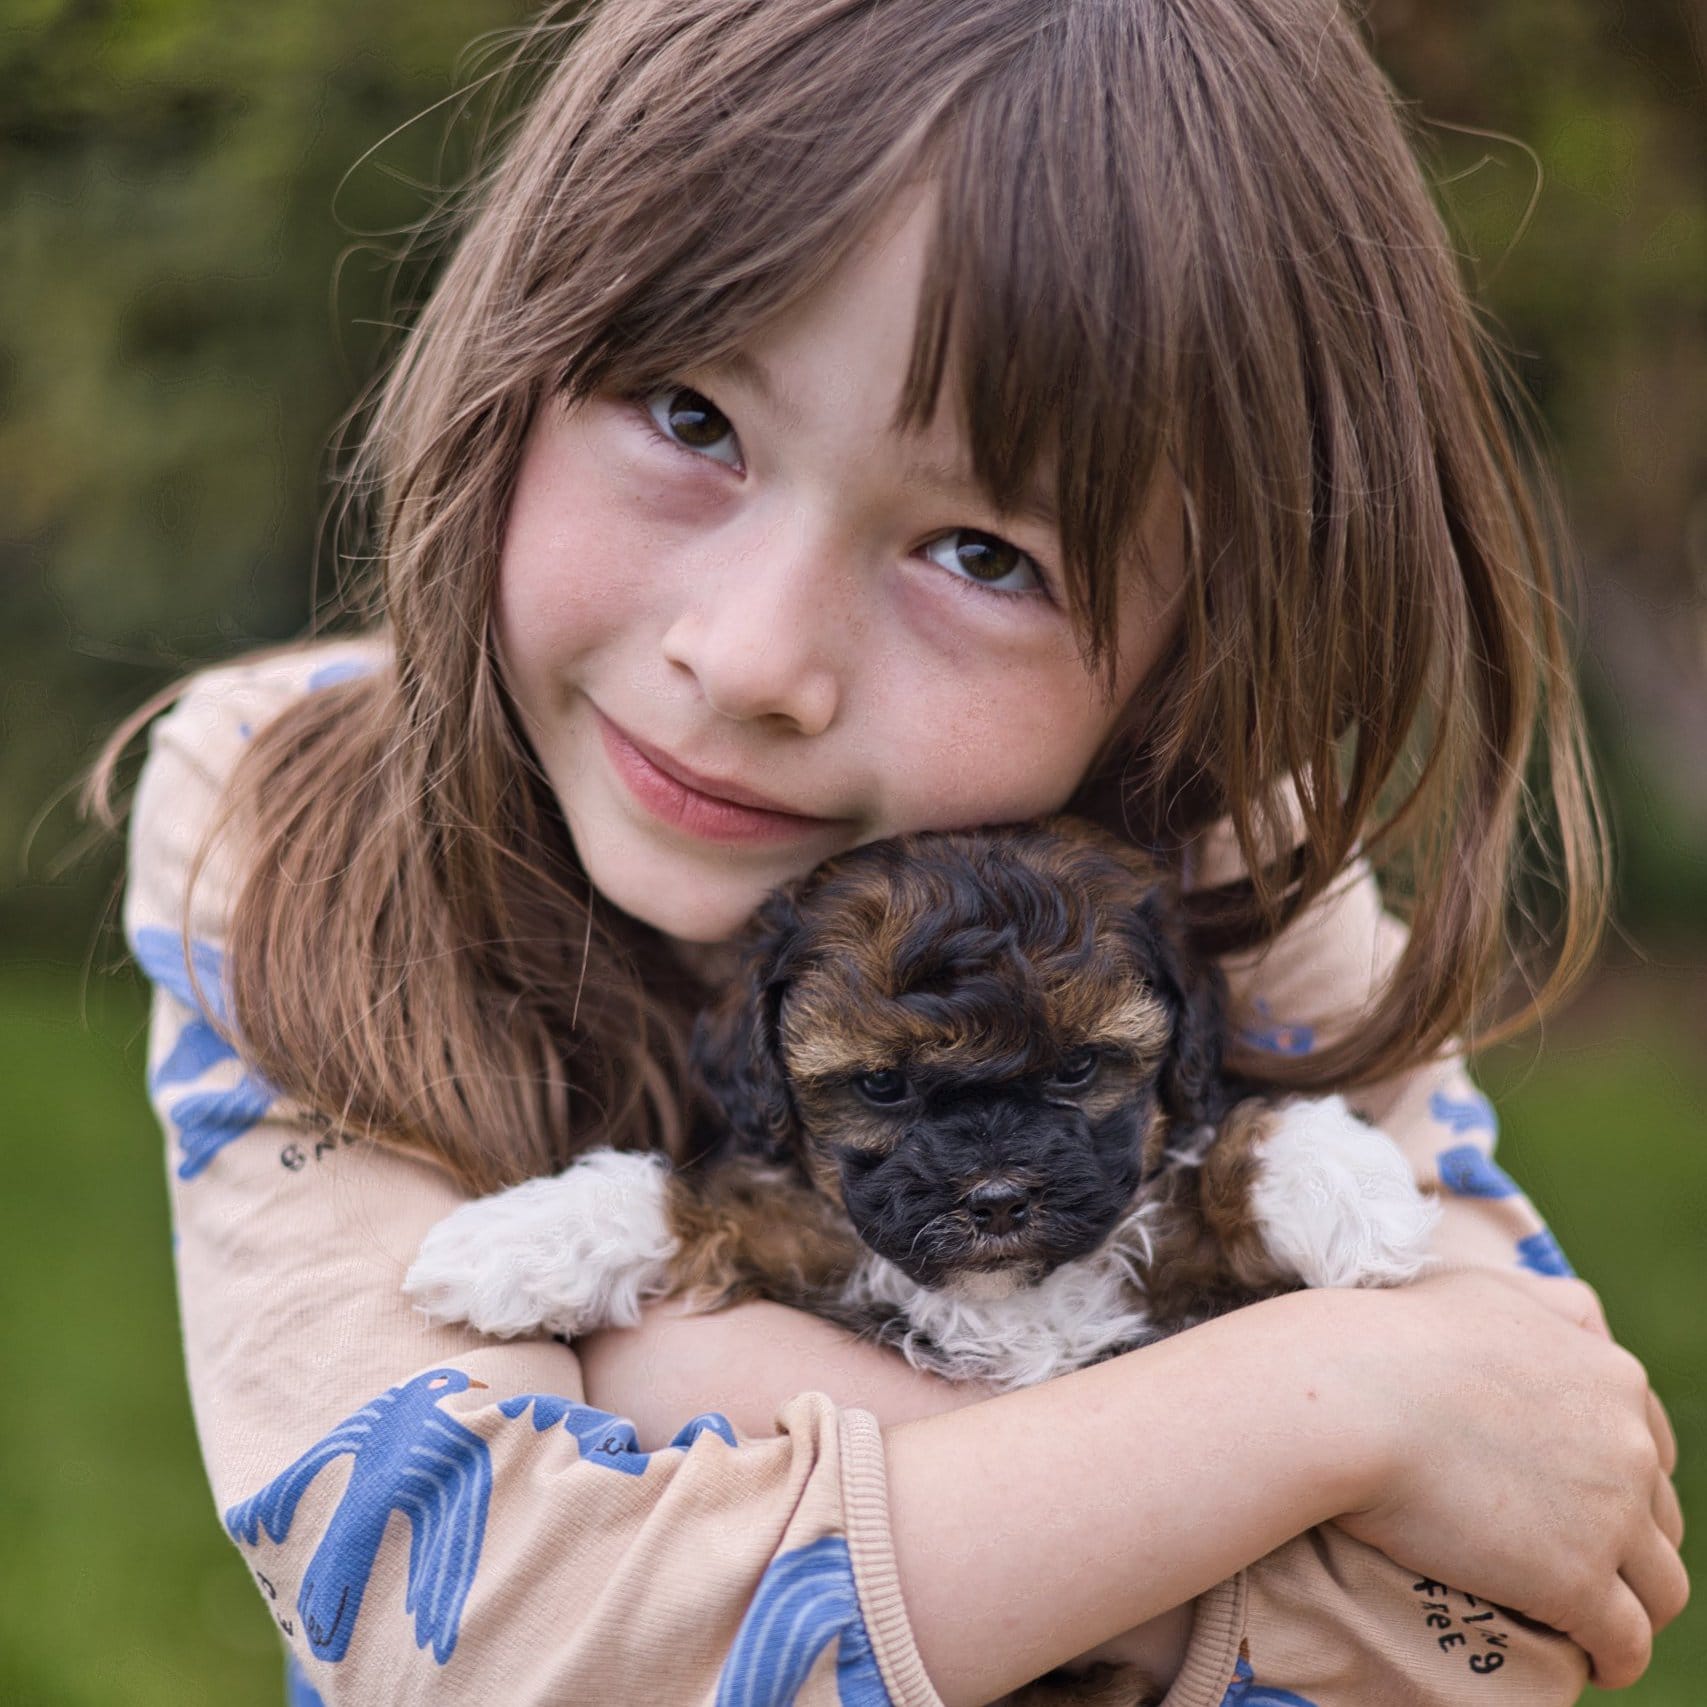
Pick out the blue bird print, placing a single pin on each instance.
(339, 670)
(1467, 1171)
(1245, 1691)
(1541, 1253)
(604, 1438)
(299, 1692)
(409, 1458)
(1276, 1037)
(805, 1600)
(206, 1120)
(1471, 1113)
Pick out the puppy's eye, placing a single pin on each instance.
(1077, 1069)
(884, 1088)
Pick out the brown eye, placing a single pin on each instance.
(884, 1088)
(1077, 1069)
(986, 560)
(693, 421)
(985, 557)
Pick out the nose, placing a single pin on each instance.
(997, 1206)
(765, 634)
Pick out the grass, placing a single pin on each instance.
(116, 1581)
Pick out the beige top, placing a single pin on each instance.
(433, 1516)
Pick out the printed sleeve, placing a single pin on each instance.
(429, 1515)
(1327, 1622)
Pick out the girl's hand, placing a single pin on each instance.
(1532, 1467)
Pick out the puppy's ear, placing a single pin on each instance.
(1191, 1087)
(736, 1048)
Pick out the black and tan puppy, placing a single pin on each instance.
(966, 1095)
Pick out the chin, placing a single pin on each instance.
(695, 900)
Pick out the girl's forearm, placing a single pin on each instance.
(1033, 1526)
(745, 1362)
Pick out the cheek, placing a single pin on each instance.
(993, 747)
(572, 567)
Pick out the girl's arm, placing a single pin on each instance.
(1342, 947)
(1030, 1527)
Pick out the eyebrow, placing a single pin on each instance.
(951, 481)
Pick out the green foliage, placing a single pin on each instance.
(1599, 110)
(202, 206)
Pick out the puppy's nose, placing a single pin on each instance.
(997, 1206)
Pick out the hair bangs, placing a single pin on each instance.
(721, 170)
(1063, 352)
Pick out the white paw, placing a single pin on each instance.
(1336, 1200)
(563, 1255)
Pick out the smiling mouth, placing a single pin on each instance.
(668, 799)
(709, 788)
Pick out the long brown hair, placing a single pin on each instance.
(1173, 234)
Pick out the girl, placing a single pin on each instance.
(843, 417)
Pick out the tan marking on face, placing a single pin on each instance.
(1117, 1086)
(832, 1120)
(824, 1057)
(1138, 1025)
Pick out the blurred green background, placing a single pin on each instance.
(202, 212)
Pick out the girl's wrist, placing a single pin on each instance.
(1325, 1347)
(1357, 1339)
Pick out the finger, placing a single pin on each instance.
(1655, 1575)
(1668, 1514)
(1665, 1436)
(1617, 1637)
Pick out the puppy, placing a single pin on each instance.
(966, 1097)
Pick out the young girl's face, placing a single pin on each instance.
(751, 580)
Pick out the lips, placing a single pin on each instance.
(676, 795)
(712, 787)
